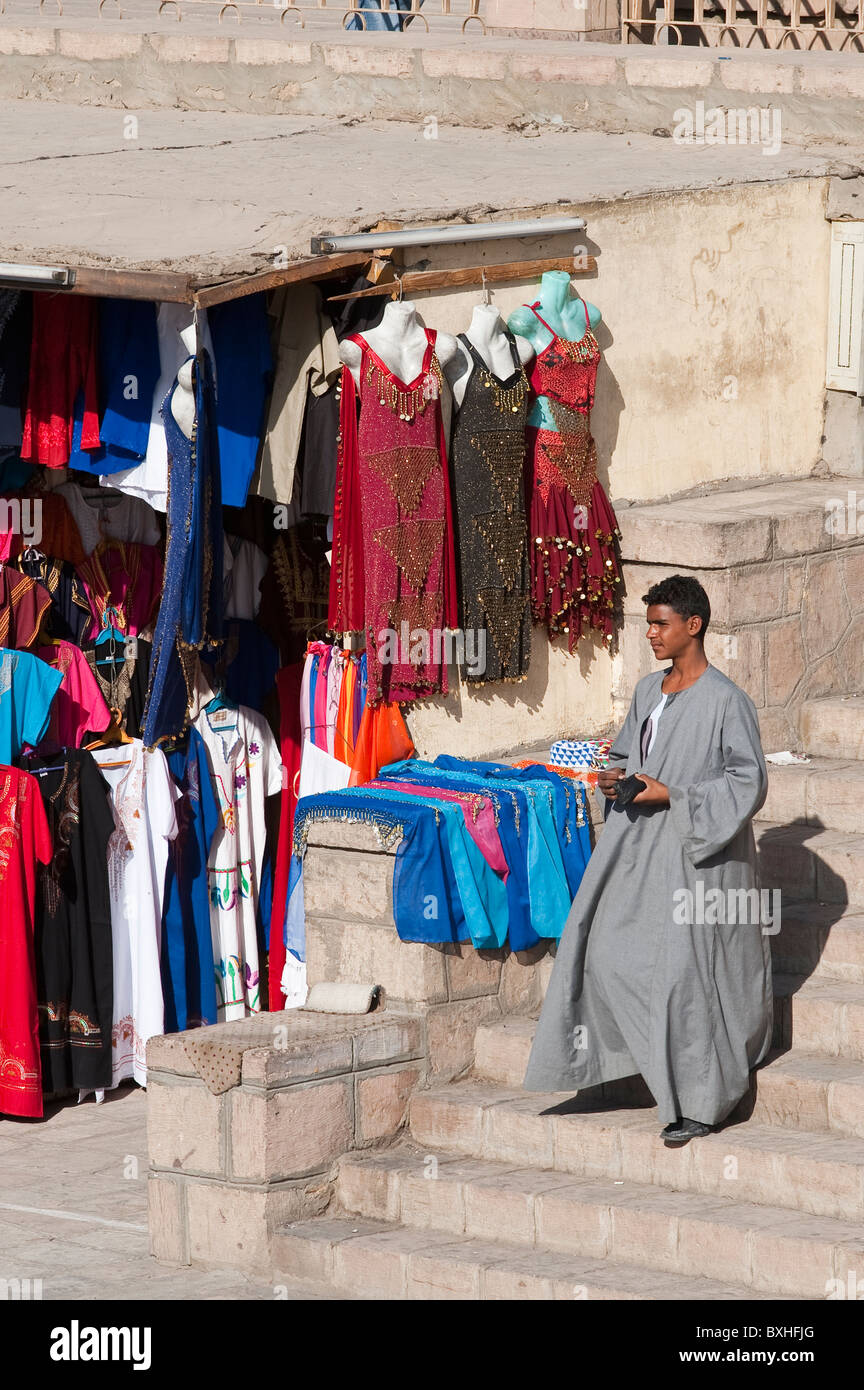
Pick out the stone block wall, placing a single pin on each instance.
(351, 936)
(787, 594)
(226, 1169)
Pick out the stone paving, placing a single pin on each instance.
(73, 1210)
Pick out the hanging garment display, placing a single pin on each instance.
(78, 705)
(105, 514)
(488, 463)
(306, 359)
(240, 331)
(127, 578)
(63, 360)
(149, 479)
(27, 688)
(15, 334)
(24, 843)
(74, 953)
(143, 796)
(393, 574)
(70, 611)
(23, 604)
(122, 672)
(188, 981)
(53, 528)
(245, 769)
(575, 565)
(295, 589)
(128, 371)
(191, 612)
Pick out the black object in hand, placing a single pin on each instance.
(627, 788)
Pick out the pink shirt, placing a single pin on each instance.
(78, 705)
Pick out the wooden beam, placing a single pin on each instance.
(319, 268)
(120, 284)
(473, 275)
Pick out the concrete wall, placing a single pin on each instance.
(713, 369)
(268, 68)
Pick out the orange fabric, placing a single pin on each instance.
(381, 739)
(342, 747)
(588, 775)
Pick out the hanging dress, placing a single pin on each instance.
(74, 948)
(25, 842)
(393, 572)
(575, 569)
(488, 461)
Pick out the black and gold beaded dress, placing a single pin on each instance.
(487, 462)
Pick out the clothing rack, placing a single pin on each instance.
(473, 275)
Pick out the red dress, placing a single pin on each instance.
(62, 362)
(575, 562)
(393, 573)
(24, 840)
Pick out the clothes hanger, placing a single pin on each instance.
(112, 634)
(114, 735)
(220, 701)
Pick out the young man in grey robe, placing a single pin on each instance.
(656, 973)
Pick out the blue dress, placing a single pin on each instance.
(240, 331)
(128, 373)
(193, 604)
(188, 979)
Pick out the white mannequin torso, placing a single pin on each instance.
(183, 397)
(400, 341)
(486, 335)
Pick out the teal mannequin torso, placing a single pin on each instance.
(564, 312)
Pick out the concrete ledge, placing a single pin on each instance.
(226, 1169)
(464, 80)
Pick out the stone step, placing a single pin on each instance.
(819, 1013)
(379, 1259)
(833, 727)
(804, 862)
(820, 1173)
(815, 941)
(819, 1016)
(827, 793)
(629, 1223)
(807, 1091)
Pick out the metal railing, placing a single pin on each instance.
(369, 16)
(768, 24)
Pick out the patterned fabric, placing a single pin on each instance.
(575, 564)
(586, 752)
(393, 561)
(24, 842)
(487, 458)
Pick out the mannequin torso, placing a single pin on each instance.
(487, 335)
(564, 312)
(183, 396)
(400, 341)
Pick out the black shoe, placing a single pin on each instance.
(683, 1130)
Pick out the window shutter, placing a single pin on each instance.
(846, 307)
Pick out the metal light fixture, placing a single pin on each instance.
(12, 273)
(437, 236)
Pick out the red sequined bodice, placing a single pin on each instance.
(567, 371)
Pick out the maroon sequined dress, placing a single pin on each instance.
(575, 560)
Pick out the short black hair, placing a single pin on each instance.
(685, 596)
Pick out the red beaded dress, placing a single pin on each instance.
(393, 570)
(575, 561)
